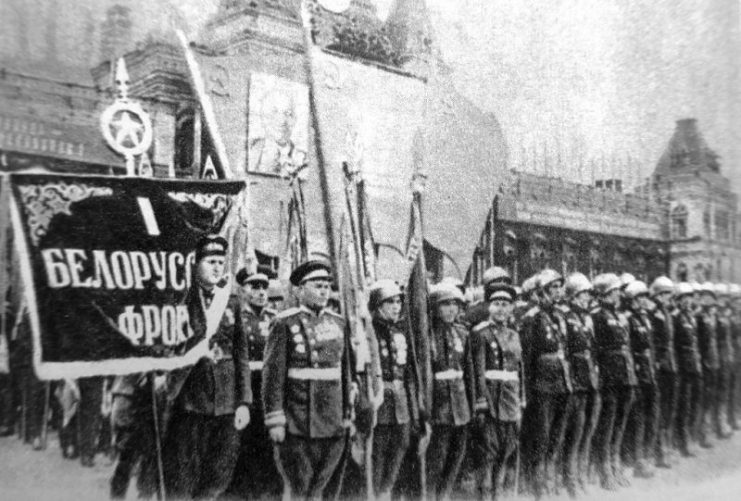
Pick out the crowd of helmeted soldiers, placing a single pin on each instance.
(560, 384)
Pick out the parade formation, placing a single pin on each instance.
(565, 382)
(221, 320)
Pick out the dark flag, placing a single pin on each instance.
(107, 264)
(417, 313)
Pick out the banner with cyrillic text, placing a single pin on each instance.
(107, 264)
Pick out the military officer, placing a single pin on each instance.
(548, 380)
(479, 312)
(690, 368)
(211, 398)
(306, 385)
(707, 334)
(585, 377)
(452, 393)
(398, 416)
(617, 376)
(644, 417)
(667, 375)
(255, 475)
(499, 392)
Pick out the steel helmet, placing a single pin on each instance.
(382, 290)
(625, 279)
(496, 274)
(606, 282)
(636, 288)
(547, 277)
(696, 287)
(530, 284)
(683, 289)
(576, 283)
(445, 292)
(662, 284)
(734, 290)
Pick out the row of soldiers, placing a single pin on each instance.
(541, 387)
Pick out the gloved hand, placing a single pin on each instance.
(241, 417)
(278, 434)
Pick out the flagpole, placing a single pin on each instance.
(206, 107)
(323, 178)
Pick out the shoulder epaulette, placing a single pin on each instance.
(288, 312)
(532, 312)
(271, 311)
(333, 314)
(482, 325)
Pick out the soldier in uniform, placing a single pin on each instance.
(640, 446)
(452, 397)
(617, 376)
(306, 385)
(690, 368)
(499, 392)
(725, 351)
(585, 377)
(255, 475)
(211, 399)
(398, 415)
(548, 380)
(479, 312)
(667, 375)
(707, 335)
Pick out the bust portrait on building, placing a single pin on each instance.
(278, 124)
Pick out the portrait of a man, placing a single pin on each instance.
(277, 125)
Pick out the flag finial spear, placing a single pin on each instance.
(122, 79)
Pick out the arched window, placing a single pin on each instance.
(679, 222)
(722, 225)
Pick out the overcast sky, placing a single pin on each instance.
(575, 79)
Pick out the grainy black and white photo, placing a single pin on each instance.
(359, 250)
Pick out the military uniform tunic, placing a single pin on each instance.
(399, 411)
(498, 369)
(644, 419)
(305, 388)
(452, 397)
(255, 475)
(202, 443)
(618, 378)
(708, 341)
(587, 399)
(549, 387)
(689, 407)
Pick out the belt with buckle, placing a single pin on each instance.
(314, 374)
(500, 375)
(449, 374)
